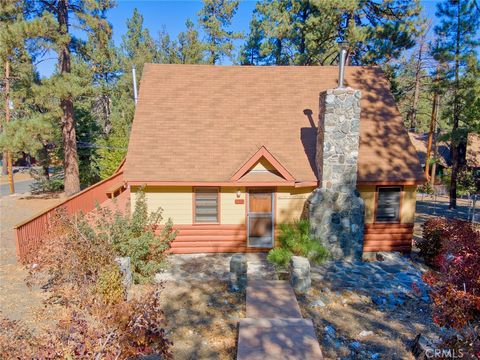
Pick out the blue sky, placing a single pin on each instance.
(173, 14)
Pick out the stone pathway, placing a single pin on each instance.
(274, 327)
(389, 283)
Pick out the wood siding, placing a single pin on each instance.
(193, 239)
(388, 237)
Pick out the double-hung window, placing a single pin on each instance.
(206, 205)
(388, 204)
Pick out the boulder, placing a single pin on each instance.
(300, 278)
(125, 266)
(238, 272)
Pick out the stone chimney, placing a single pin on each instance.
(338, 138)
(335, 208)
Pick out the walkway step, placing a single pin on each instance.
(277, 339)
(271, 299)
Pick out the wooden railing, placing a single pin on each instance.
(30, 233)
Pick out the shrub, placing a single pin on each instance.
(295, 239)
(142, 238)
(109, 285)
(280, 256)
(431, 242)
(122, 331)
(455, 287)
(43, 185)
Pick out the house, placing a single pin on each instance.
(420, 142)
(230, 152)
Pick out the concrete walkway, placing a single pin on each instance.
(274, 327)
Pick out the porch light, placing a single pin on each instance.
(239, 193)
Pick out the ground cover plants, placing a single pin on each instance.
(76, 264)
(452, 247)
(295, 239)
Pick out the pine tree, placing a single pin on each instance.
(189, 48)
(457, 41)
(304, 32)
(250, 53)
(55, 34)
(137, 48)
(215, 17)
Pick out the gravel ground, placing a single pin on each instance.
(17, 301)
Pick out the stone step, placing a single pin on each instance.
(271, 299)
(277, 339)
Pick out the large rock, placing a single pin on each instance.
(125, 266)
(238, 272)
(300, 274)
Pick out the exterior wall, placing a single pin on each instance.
(407, 210)
(231, 236)
(407, 213)
(176, 202)
(232, 210)
(367, 193)
(388, 236)
(290, 203)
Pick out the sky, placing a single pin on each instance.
(172, 14)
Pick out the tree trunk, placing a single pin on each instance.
(456, 116)
(8, 158)
(433, 122)
(4, 163)
(70, 161)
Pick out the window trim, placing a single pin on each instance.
(194, 199)
(400, 204)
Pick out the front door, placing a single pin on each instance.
(260, 218)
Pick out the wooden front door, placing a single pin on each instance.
(260, 218)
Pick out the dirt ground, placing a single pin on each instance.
(18, 176)
(202, 319)
(17, 301)
(380, 334)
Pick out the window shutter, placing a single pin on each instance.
(388, 204)
(206, 205)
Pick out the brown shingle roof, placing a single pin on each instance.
(420, 142)
(200, 123)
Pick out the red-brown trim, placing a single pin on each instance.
(262, 152)
(391, 183)
(301, 184)
(219, 206)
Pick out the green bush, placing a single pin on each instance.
(109, 285)
(141, 237)
(280, 256)
(295, 239)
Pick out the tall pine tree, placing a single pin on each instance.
(215, 18)
(301, 32)
(56, 35)
(457, 41)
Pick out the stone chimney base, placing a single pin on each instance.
(337, 220)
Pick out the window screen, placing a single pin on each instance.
(388, 204)
(206, 205)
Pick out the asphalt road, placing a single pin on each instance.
(21, 187)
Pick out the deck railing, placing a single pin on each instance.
(30, 233)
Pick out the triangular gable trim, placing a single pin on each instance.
(263, 152)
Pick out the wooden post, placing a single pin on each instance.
(7, 120)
